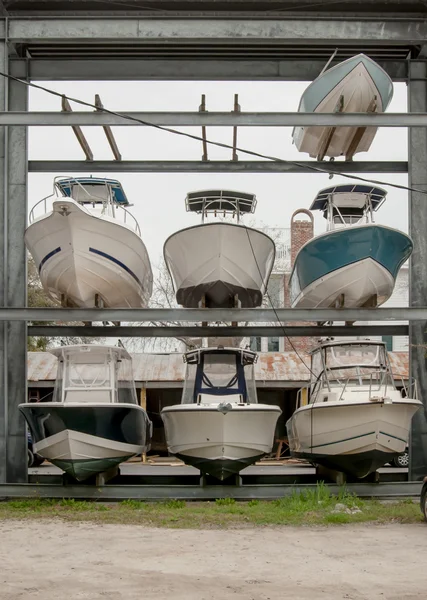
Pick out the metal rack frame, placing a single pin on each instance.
(44, 47)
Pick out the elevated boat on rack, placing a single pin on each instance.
(88, 247)
(223, 264)
(219, 427)
(355, 262)
(94, 422)
(356, 85)
(356, 420)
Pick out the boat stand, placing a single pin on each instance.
(328, 134)
(359, 133)
(340, 478)
(232, 481)
(106, 476)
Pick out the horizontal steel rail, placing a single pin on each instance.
(198, 492)
(119, 68)
(212, 315)
(223, 331)
(241, 29)
(213, 166)
(215, 119)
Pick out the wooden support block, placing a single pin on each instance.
(143, 398)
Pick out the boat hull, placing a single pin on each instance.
(84, 440)
(216, 443)
(348, 267)
(356, 438)
(213, 263)
(363, 86)
(80, 255)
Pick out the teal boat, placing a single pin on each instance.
(355, 262)
(356, 85)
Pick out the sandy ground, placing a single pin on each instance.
(53, 560)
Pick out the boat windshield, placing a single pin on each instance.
(94, 378)
(219, 374)
(354, 364)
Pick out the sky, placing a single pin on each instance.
(158, 198)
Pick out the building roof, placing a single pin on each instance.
(272, 367)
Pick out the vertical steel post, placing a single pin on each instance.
(3, 214)
(16, 290)
(417, 102)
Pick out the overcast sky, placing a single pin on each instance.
(159, 198)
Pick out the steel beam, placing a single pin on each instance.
(197, 492)
(213, 119)
(212, 315)
(304, 31)
(16, 291)
(417, 100)
(223, 331)
(134, 69)
(213, 166)
(3, 277)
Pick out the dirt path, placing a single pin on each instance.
(53, 560)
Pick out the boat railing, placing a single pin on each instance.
(128, 218)
(120, 213)
(41, 203)
(374, 381)
(409, 387)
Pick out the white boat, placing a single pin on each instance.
(356, 85)
(88, 247)
(223, 264)
(219, 427)
(356, 261)
(94, 422)
(355, 419)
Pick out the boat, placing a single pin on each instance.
(219, 427)
(94, 422)
(356, 85)
(355, 420)
(87, 246)
(356, 261)
(219, 264)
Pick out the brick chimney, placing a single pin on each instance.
(301, 232)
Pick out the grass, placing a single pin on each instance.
(312, 507)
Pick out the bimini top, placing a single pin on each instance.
(349, 193)
(91, 185)
(247, 356)
(328, 342)
(221, 201)
(81, 349)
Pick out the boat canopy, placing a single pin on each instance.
(356, 362)
(247, 357)
(94, 374)
(220, 201)
(93, 189)
(219, 372)
(349, 195)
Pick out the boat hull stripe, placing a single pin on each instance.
(394, 437)
(117, 262)
(345, 440)
(49, 255)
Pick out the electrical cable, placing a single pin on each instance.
(211, 142)
(274, 308)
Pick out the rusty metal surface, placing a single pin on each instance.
(271, 366)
